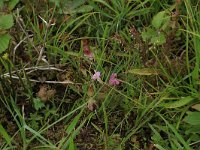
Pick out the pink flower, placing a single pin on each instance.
(86, 49)
(88, 53)
(96, 76)
(113, 79)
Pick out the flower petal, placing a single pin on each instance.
(113, 79)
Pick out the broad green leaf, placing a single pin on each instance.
(4, 42)
(166, 22)
(77, 3)
(1, 5)
(158, 40)
(70, 6)
(178, 103)
(57, 2)
(145, 71)
(158, 19)
(193, 118)
(71, 53)
(12, 4)
(83, 9)
(193, 129)
(148, 34)
(6, 21)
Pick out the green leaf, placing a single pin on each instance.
(38, 104)
(106, 4)
(6, 21)
(1, 5)
(71, 144)
(166, 22)
(57, 2)
(178, 103)
(193, 118)
(158, 40)
(5, 135)
(148, 34)
(144, 71)
(72, 125)
(4, 42)
(12, 4)
(158, 19)
(71, 7)
(193, 129)
(83, 9)
(176, 133)
(156, 136)
(77, 3)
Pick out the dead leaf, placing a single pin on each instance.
(145, 71)
(45, 94)
(90, 91)
(196, 107)
(91, 105)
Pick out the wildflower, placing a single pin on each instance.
(113, 79)
(86, 50)
(96, 76)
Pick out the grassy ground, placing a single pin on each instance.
(100, 74)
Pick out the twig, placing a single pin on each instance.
(33, 80)
(45, 38)
(35, 69)
(20, 22)
(14, 51)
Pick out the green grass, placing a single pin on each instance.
(49, 100)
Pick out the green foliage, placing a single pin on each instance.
(178, 103)
(6, 21)
(158, 19)
(155, 101)
(155, 34)
(56, 2)
(4, 42)
(144, 71)
(193, 118)
(38, 104)
(155, 37)
(5, 135)
(76, 6)
(159, 39)
(12, 4)
(1, 5)
(72, 6)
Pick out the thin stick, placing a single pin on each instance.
(44, 44)
(22, 26)
(33, 80)
(14, 51)
(35, 69)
